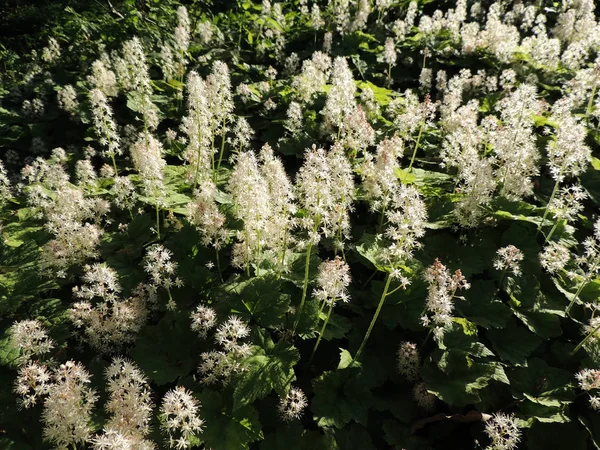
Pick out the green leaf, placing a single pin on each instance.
(226, 428)
(269, 367)
(513, 344)
(260, 299)
(340, 398)
(457, 379)
(294, 437)
(166, 351)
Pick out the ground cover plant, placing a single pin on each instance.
(301, 225)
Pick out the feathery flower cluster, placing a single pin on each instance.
(554, 257)
(313, 77)
(442, 290)
(147, 158)
(503, 432)
(568, 155)
(509, 258)
(292, 405)
(107, 321)
(179, 417)
(220, 98)
(31, 338)
(514, 142)
(325, 191)
(568, 203)
(131, 68)
(68, 407)
(33, 381)
(423, 398)
(340, 101)
(129, 401)
(51, 53)
(332, 281)
(409, 361)
(102, 78)
(5, 188)
(204, 214)
(67, 99)
(220, 366)
(104, 125)
(379, 173)
(158, 264)
(589, 380)
(406, 218)
(204, 319)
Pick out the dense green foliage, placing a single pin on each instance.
(515, 339)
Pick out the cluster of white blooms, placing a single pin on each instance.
(409, 361)
(179, 417)
(442, 290)
(33, 382)
(85, 174)
(220, 98)
(568, 155)
(129, 401)
(204, 319)
(409, 114)
(51, 53)
(147, 158)
(68, 407)
(568, 203)
(389, 52)
(293, 404)
(31, 338)
(509, 258)
(124, 193)
(103, 78)
(349, 16)
(160, 267)
(104, 125)
(503, 431)
(333, 279)
(325, 191)
(378, 172)
(220, 366)
(250, 191)
(131, 67)
(554, 257)
(114, 440)
(401, 27)
(312, 78)
(33, 108)
(294, 119)
(204, 214)
(406, 218)
(283, 206)
(576, 26)
(107, 321)
(589, 380)
(242, 133)
(67, 99)
(514, 142)
(423, 398)
(196, 126)
(5, 188)
(356, 134)
(340, 101)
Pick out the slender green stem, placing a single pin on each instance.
(412, 159)
(590, 104)
(554, 192)
(305, 286)
(112, 156)
(381, 302)
(218, 264)
(157, 221)
(552, 231)
(501, 280)
(321, 332)
(583, 284)
(585, 339)
(222, 144)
